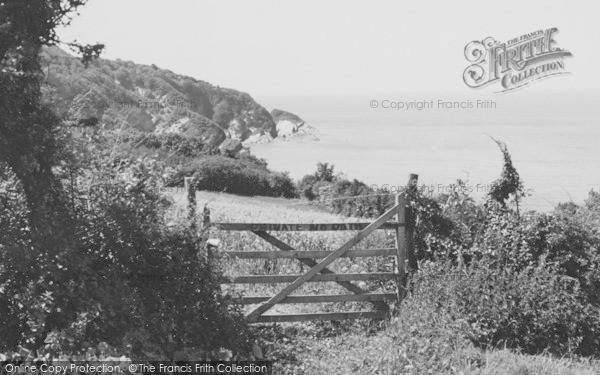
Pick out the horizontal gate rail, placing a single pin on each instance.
(309, 254)
(367, 297)
(268, 279)
(310, 227)
(377, 314)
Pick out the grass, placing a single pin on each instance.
(237, 208)
(504, 362)
(355, 354)
(398, 349)
(418, 341)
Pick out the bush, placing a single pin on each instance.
(535, 309)
(356, 204)
(349, 198)
(569, 245)
(141, 286)
(306, 186)
(236, 176)
(531, 281)
(427, 340)
(170, 142)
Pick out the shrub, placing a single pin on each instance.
(356, 204)
(170, 142)
(325, 172)
(306, 186)
(533, 282)
(571, 246)
(350, 198)
(135, 283)
(533, 309)
(427, 340)
(237, 176)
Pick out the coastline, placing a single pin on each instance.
(382, 147)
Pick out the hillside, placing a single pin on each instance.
(122, 94)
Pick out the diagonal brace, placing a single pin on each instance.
(311, 263)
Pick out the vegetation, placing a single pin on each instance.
(243, 176)
(492, 276)
(350, 198)
(93, 255)
(458, 317)
(509, 184)
(170, 143)
(179, 156)
(86, 255)
(141, 285)
(124, 95)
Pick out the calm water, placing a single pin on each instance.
(553, 138)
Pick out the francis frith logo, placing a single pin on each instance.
(515, 63)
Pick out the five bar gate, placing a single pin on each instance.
(319, 272)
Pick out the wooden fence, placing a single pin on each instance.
(395, 219)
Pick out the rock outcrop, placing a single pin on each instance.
(291, 127)
(231, 147)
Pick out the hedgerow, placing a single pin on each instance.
(241, 176)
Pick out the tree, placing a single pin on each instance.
(28, 144)
(223, 114)
(509, 183)
(72, 276)
(324, 172)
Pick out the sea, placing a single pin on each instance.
(553, 138)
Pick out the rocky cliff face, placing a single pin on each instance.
(122, 94)
(291, 127)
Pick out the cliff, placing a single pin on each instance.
(291, 127)
(122, 94)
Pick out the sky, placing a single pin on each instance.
(309, 47)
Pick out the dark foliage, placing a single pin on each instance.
(509, 182)
(85, 252)
(351, 198)
(191, 147)
(137, 284)
(535, 309)
(243, 176)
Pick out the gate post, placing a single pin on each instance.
(401, 245)
(190, 188)
(411, 194)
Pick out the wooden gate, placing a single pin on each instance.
(319, 272)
